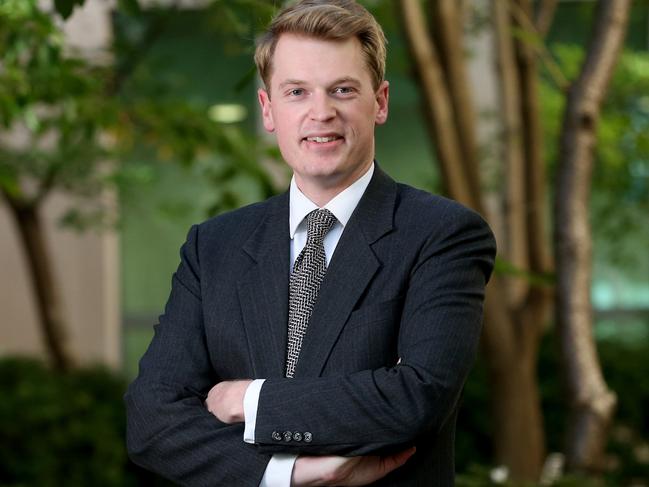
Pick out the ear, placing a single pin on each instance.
(266, 112)
(382, 96)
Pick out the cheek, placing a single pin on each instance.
(365, 127)
(286, 139)
(364, 119)
(282, 131)
(287, 126)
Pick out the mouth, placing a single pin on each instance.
(323, 142)
(323, 139)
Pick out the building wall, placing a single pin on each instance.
(86, 266)
(86, 270)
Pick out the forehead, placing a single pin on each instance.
(313, 60)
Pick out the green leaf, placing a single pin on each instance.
(505, 268)
(131, 7)
(246, 80)
(31, 119)
(532, 39)
(9, 181)
(65, 7)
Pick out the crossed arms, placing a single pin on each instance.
(374, 413)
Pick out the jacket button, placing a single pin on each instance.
(308, 437)
(276, 435)
(297, 436)
(288, 436)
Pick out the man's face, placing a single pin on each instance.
(323, 108)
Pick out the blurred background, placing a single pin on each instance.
(126, 119)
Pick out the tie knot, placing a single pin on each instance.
(318, 223)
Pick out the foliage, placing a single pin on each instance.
(620, 194)
(66, 7)
(69, 124)
(51, 106)
(68, 429)
(233, 151)
(626, 372)
(480, 476)
(62, 429)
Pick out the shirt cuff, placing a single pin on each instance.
(279, 471)
(250, 402)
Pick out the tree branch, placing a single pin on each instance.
(592, 403)
(540, 260)
(521, 10)
(40, 269)
(137, 54)
(515, 204)
(450, 45)
(545, 16)
(438, 109)
(46, 183)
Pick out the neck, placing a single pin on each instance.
(322, 191)
(319, 196)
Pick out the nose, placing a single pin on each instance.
(322, 107)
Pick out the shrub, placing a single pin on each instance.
(626, 370)
(63, 428)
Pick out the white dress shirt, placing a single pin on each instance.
(280, 468)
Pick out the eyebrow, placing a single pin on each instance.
(297, 82)
(347, 79)
(290, 82)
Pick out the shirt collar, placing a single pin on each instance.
(342, 205)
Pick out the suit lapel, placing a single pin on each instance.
(263, 291)
(349, 273)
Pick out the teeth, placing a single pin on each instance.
(321, 140)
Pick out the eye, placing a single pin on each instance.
(344, 90)
(296, 92)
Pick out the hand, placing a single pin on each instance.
(225, 400)
(345, 471)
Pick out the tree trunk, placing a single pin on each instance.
(39, 263)
(518, 420)
(514, 249)
(535, 184)
(510, 340)
(510, 344)
(449, 40)
(438, 107)
(591, 402)
(544, 16)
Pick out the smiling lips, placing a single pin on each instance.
(323, 139)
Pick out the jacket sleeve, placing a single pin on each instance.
(377, 410)
(169, 430)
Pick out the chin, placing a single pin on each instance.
(322, 169)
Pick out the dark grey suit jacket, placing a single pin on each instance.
(406, 282)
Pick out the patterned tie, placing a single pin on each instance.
(304, 284)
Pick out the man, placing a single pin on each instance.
(354, 302)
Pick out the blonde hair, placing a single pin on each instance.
(334, 20)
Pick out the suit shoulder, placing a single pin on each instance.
(435, 209)
(240, 221)
(443, 224)
(232, 227)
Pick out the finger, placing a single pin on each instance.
(392, 462)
